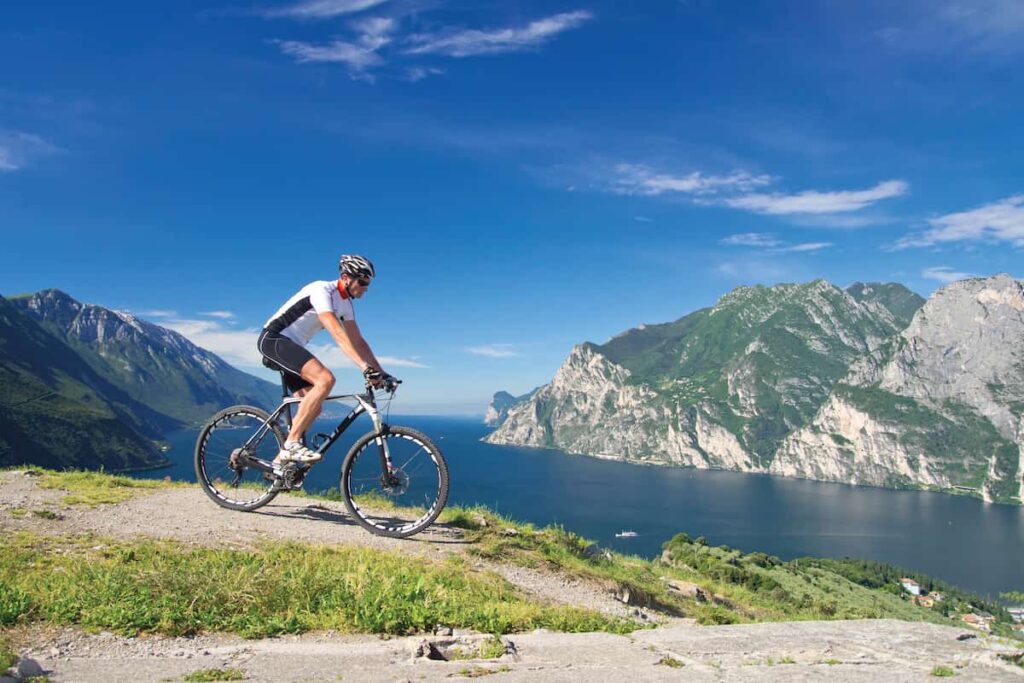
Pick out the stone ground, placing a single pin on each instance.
(877, 650)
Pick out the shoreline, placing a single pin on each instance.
(959, 492)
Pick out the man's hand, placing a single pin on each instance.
(378, 379)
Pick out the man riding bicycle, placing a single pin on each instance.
(325, 304)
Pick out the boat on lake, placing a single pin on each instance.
(625, 534)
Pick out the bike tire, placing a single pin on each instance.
(207, 471)
(435, 492)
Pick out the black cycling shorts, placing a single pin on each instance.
(282, 354)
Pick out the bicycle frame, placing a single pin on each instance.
(365, 403)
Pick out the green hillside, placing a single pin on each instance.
(53, 411)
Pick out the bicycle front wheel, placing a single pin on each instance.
(224, 452)
(400, 502)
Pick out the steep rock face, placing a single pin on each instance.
(720, 387)
(498, 409)
(158, 367)
(940, 405)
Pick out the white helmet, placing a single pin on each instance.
(356, 266)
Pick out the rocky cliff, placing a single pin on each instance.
(863, 385)
(939, 405)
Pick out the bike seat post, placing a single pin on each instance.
(284, 394)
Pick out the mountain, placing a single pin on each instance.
(940, 405)
(721, 387)
(497, 411)
(53, 411)
(88, 387)
(767, 381)
(159, 367)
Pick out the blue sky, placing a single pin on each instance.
(525, 175)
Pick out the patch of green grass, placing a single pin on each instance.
(787, 660)
(14, 602)
(42, 678)
(45, 514)
(18, 512)
(8, 657)
(492, 648)
(832, 662)
(282, 587)
(215, 675)
(670, 662)
(943, 672)
(98, 488)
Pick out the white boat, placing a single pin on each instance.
(625, 534)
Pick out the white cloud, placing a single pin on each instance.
(472, 42)
(336, 359)
(637, 179)
(751, 239)
(493, 350)
(18, 149)
(1001, 221)
(374, 32)
(763, 240)
(237, 347)
(223, 315)
(944, 274)
(418, 73)
(805, 247)
(159, 314)
(642, 219)
(320, 9)
(360, 56)
(357, 57)
(814, 202)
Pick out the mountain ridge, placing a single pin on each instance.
(85, 378)
(726, 386)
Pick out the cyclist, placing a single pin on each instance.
(319, 305)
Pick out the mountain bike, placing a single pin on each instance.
(394, 480)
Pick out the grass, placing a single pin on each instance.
(8, 657)
(943, 672)
(164, 587)
(215, 675)
(492, 648)
(97, 488)
(670, 662)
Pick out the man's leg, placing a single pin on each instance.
(322, 380)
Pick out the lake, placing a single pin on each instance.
(961, 540)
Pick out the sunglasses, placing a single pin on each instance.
(362, 283)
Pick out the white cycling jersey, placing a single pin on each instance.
(299, 318)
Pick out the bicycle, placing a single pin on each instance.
(233, 464)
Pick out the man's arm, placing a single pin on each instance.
(350, 340)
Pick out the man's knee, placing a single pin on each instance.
(324, 380)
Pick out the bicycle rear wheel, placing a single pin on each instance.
(404, 501)
(223, 460)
